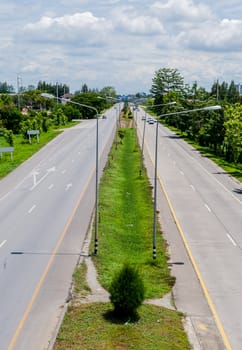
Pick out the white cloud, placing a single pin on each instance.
(78, 20)
(120, 42)
(223, 36)
(82, 28)
(141, 25)
(174, 10)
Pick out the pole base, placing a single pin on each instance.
(95, 247)
(154, 253)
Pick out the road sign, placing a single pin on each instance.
(33, 133)
(7, 150)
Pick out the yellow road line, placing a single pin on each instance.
(203, 285)
(44, 274)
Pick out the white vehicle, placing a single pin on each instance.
(151, 121)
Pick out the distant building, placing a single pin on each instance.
(25, 110)
(67, 96)
(239, 88)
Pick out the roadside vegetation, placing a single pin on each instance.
(217, 134)
(125, 239)
(30, 111)
(23, 150)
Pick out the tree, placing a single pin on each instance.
(10, 117)
(8, 135)
(233, 93)
(225, 92)
(71, 111)
(84, 89)
(108, 91)
(59, 117)
(212, 131)
(6, 88)
(32, 99)
(53, 89)
(166, 80)
(127, 291)
(233, 132)
(91, 99)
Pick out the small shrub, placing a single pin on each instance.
(127, 291)
(8, 135)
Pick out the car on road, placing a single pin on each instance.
(151, 121)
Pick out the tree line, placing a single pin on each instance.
(220, 131)
(29, 110)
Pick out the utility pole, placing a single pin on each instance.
(57, 93)
(19, 81)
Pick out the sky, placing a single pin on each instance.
(119, 43)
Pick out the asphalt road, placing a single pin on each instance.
(45, 209)
(207, 207)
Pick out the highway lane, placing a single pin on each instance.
(207, 203)
(37, 204)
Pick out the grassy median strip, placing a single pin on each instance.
(126, 221)
(125, 235)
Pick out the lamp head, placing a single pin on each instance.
(46, 95)
(212, 108)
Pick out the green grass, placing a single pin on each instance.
(125, 235)
(233, 169)
(92, 327)
(23, 150)
(126, 222)
(81, 287)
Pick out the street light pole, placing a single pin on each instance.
(19, 80)
(210, 108)
(57, 93)
(97, 171)
(142, 147)
(46, 95)
(106, 98)
(96, 193)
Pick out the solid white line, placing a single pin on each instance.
(2, 244)
(231, 240)
(31, 209)
(208, 208)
